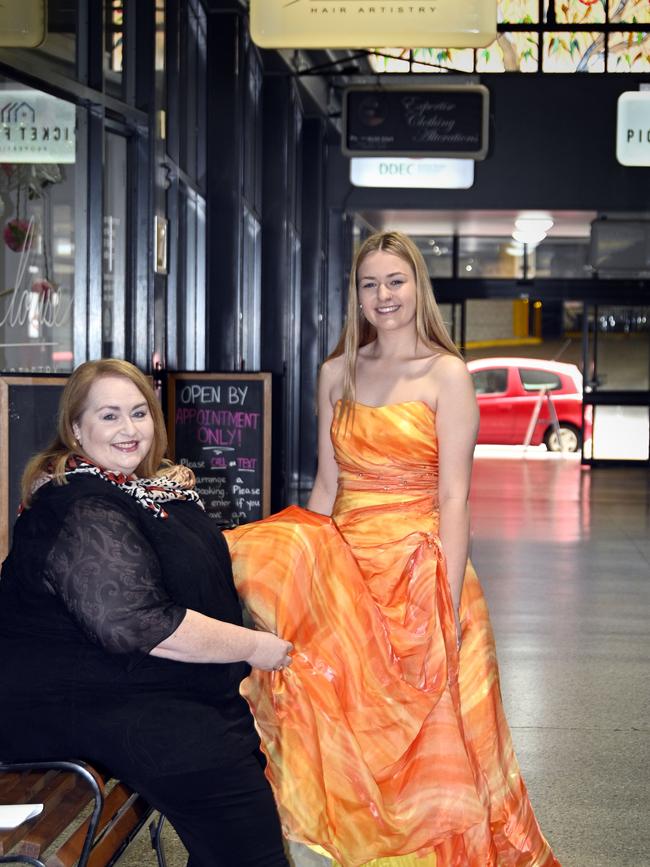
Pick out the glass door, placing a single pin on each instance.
(616, 364)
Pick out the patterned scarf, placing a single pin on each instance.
(177, 483)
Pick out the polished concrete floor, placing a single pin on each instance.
(564, 558)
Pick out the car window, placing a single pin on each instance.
(492, 381)
(536, 380)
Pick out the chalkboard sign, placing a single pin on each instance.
(28, 412)
(416, 122)
(219, 425)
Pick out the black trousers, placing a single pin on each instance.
(226, 817)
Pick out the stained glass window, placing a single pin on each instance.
(391, 60)
(512, 52)
(544, 35)
(440, 59)
(574, 11)
(574, 52)
(629, 11)
(628, 52)
(518, 11)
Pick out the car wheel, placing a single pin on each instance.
(569, 440)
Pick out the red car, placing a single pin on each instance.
(512, 391)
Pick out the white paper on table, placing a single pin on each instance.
(13, 815)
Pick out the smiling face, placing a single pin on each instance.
(115, 429)
(387, 290)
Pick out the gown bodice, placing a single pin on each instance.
(389, 452)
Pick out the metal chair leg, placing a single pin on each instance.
(155, 834)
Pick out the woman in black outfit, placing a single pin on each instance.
(120, 628)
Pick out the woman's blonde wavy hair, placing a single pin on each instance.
(52, 460)
(430, 328)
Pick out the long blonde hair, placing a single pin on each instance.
(52, 460)
(430, 328)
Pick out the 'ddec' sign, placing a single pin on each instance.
(219, 425)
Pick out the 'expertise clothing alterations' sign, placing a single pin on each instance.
(36, 127)
(372, 24)
(433, 121)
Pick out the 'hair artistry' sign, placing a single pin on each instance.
(371, 23)
(36, 127)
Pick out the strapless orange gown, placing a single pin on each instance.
(382, 740)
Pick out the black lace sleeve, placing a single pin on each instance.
(108, 577)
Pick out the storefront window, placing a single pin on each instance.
(191, 276)
(193, 77)
(115, 246)
(37, 248)
(159, 47)
(438, 255)
(561, 257)
(252, 291)
(489, 257)
(114, 15)
(623, 347)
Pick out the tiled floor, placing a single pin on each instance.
(564, 557)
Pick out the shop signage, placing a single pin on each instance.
(23, 24)
(36, 127)
(424, 121)
(633, 128)
(219, 425)
(372, 23)
(408, 173)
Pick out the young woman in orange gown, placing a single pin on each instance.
(386, 738)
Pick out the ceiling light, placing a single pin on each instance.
(530, 237)
(540, 224)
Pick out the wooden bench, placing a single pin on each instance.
(87, 819)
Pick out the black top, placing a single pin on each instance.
(94, 581)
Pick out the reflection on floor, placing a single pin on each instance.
(564, 556)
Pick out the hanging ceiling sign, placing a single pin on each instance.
(23, 24)
(434, 121)
(633, 128)
(405, 173)
(368, 24)
(36, 127)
